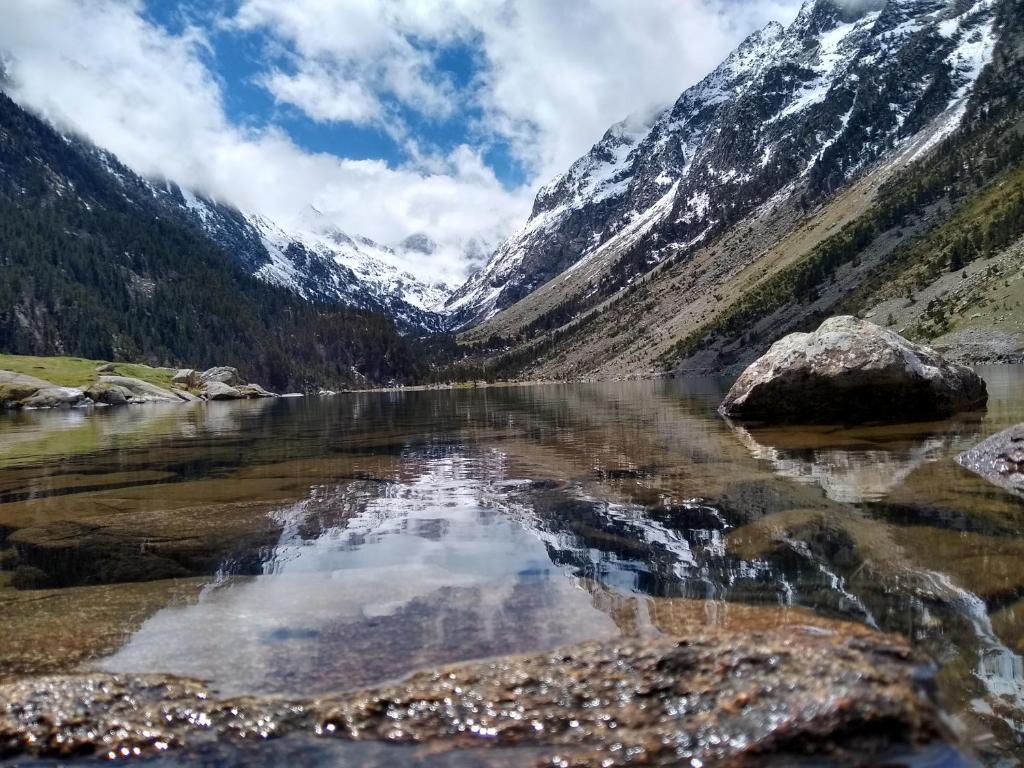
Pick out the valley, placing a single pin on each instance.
(705, 447)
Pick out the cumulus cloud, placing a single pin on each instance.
(324, 96)
(346, 66)
(554, 75)
(550, 77)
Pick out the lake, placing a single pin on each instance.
(313, 545)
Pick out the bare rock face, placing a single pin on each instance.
(223, 374)
(843, 696)
(850, 371)
(999, 459)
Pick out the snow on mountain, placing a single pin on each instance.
(376, 267)
(793, 110)
(320, 261)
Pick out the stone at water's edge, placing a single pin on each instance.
(218, 390)
(999, 459)
(253, 390)
(56, 397)
(852, 371)
(137, 390)
(843, 696)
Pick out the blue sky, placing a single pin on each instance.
(393, 117)
(240, 57)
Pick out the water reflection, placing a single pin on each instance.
(371, 580)
(846, 474)
(305, 546)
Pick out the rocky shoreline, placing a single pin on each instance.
(19, 390)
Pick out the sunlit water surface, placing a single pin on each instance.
(312, 545)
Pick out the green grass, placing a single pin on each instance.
(78, 371)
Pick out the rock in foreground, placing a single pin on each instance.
(999, 459)
(842, 697)
(852, 371)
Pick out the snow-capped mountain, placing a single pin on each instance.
(793, 110)
(319, 261)
(315, 258)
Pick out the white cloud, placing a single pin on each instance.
(324, 96)
(553, 76)
(361, 45)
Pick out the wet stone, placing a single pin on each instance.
(842, 696)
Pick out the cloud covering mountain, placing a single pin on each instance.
(393, 118)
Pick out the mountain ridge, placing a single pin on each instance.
(643, 305)
(317, 260)
(770, 115)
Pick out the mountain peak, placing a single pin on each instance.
(312, 220)
(804, 107)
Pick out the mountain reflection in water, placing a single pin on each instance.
(309, 546)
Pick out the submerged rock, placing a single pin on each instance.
(999, 459)
(845, 696)
(850, 370)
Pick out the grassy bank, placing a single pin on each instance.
(79, 371)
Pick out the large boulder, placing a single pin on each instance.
(109, 394)
(137, 390)
(999, 459)
(186, 377)
(850, 371)
(223, 374)
(218, 390)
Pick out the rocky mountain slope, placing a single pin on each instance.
(96, 262)
(797, 136)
